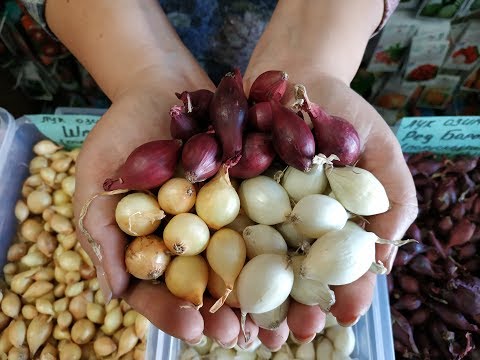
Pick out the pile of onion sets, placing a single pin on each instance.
(248, 202)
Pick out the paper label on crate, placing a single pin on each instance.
(67, 130)
(450, 135)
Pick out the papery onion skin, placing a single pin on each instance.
(216, 287)
(147, 167)
(187, 277)
(228, 113)
(201, 157)
(186, 234)
(138, 214)
(292, 139)
(264, 200)
(333, 134)
(340, 257)
(257, 156)
(182, 125)
(197, 103)
(147, 257)
(263, 239)
(317, 214)
(177, 196)
(270, 85)
(218, 203)
(300, 184)
(271, 320)
(358, 190)
(310, 292)
(264, 283)
(260, 117)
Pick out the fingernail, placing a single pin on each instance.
(349, 324)
(103, 284)
(195, 341)
(228, 345)
(300, 341)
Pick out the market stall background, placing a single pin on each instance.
(424, 63)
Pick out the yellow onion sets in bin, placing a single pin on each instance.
(248, 203)
(50, 301)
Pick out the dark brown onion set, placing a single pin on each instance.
(435, 285)
(246, 135)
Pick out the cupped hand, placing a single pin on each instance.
(381, 154)
(138, 115)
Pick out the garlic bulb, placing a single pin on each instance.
(358, 190)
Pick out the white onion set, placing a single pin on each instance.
(263, 239)
(272, 319)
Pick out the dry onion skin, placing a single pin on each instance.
(52, 307)
(177, 196)
(138, 214)
(147, 257)
(186, 234)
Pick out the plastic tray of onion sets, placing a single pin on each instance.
(17, 138)
(373, 339)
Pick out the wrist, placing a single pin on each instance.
(329, 36)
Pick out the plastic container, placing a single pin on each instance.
(373, 332)
(17, 138)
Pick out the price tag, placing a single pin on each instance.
(67, 130)
(449, 135)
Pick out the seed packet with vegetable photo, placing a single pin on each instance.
(445, 9)
(438, 93)
(466, 52)
(472, 82)
(424, 59)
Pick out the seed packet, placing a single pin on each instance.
(392, 46)
(432, 30)
(437, 94)
(424, 59)
(408, 4)
(395, 93)
(472, 81)
(456, 30)
(445, 9)
(466, 52)
(32, 84)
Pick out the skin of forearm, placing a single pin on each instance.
(329, 35)
(123, 43)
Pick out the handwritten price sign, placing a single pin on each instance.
(67, 130)
(441, 134)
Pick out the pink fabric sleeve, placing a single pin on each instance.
(388, 9)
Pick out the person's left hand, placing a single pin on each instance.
(382, 155)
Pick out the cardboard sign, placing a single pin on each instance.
(67, 130)
(450, 135)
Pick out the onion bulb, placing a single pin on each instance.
(300, 184)
(217, 288)
(147, 257)
(226, 253)
(264, 283)
(264, 200)
(263, 239)
(240, 223)
(358, 190)
(138, 214)
(318, 214)
(217, 202)
(310, 292)
(177, 196)
(186, 278)
(186, 234)
(293, 237)
(342, 256)
(272, 319)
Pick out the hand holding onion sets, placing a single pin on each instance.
(248, 202)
